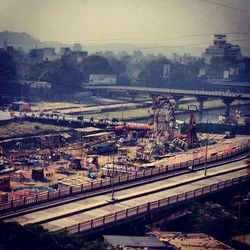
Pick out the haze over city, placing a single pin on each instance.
(124, 124)
(167, 22)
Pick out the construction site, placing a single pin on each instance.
(36, 157)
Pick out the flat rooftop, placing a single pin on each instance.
(135, 241)
(87, 129)
(191, 241)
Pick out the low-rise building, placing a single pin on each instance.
(38, 88)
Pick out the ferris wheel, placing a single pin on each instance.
(162, 117)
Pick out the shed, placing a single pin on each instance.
(38, 174)
(4, 183)
(20, 106)
(135, 242)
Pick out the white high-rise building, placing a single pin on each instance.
(222, 49)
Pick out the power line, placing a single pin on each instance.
(188, 45)
(174, 46)
(137, 39)
(158, 40)
(226, 6)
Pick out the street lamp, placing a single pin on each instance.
(113, 178)
(122, 112)
(205, 169)
(113, 173)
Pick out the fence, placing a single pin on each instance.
(146, 208)
(99, 184)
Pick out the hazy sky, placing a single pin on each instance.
(85, 20)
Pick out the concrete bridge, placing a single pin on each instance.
(177, 94)
(98, 211)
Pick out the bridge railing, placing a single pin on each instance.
(173, 91)
(146, 208)
(160, 168)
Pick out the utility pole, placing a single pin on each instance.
(113, 177)
(205, 169)
(113, 174)
(122, 112)
(22, 93)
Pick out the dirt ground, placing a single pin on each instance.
(52, 173)
(22, 128)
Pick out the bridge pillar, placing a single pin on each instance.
(177, 99)
(201, 101)
(227, 102)
(134, 95)
(153, 96)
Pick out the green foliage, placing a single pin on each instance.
(8, 77)
(34, 237)
(67, 78)
(144, 71)
(215, 220)
(63, 75)
(94, 65)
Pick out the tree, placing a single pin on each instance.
(94, 65)
(8, 76)
(67, 78)
(16, 237)
(152, 74)
(118, 68)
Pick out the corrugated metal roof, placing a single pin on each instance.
(135, 241)
(65, 135)
(87, 129)
(98, 134)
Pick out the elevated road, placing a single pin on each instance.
(217, 155)
(200, 95)
(99, 207)
(173, 92)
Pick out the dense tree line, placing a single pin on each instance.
(68, 76)
(8, 76)
(33, 237)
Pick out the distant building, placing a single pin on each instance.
(222, 49)
(38, 88)
(49, 54)
(45, 54)
(5, 45)
(36, 55)
(101, 79)
(78, 56)
(138, 54)
(74, 56)
(175, 57)
(65, 51)
(186, 59)
(77, 47)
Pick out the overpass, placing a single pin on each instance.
(99, 211)
(200, 95)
